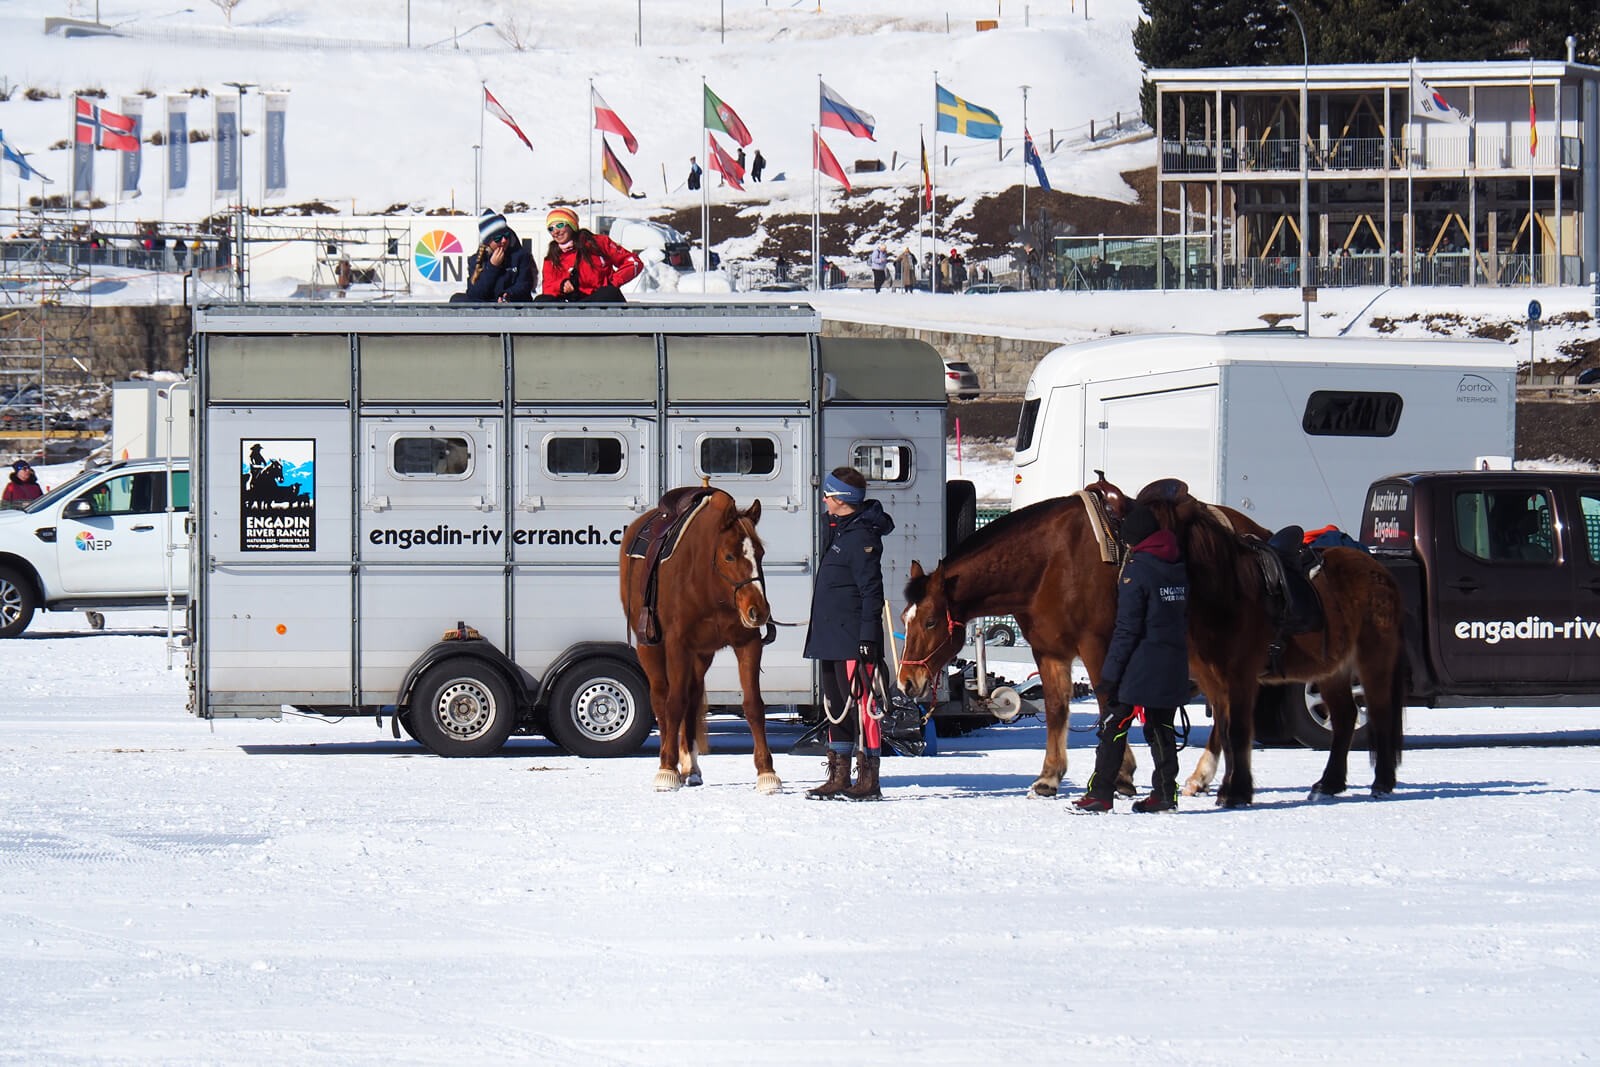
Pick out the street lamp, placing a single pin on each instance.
(1305, 168)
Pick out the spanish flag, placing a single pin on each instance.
(612, 170)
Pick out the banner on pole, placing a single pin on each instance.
(82, 171)
(277, 171)
(133, 161)
(177, 143)
(225, 139)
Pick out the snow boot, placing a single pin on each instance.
(838, 778)
(1092, 803)
(866, 787)
(1155, 802)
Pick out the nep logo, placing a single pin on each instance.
(439, 257)
(86, 542)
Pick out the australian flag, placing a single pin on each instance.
(1030, 155)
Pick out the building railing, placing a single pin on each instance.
(1449, 149)
(15, 255)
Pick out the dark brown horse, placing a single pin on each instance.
(710, 595)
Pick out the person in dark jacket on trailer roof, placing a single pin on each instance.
(846, 631)
(1146, 670)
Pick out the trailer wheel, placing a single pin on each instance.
(17, 602)
(601, 708)
(1305, 716)
(461, 707)
(960, 513)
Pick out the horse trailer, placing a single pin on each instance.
(379, 489)
(1285, 428)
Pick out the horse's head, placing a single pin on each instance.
(933, 636)
(737, 556)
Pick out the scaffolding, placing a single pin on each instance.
(374, 255)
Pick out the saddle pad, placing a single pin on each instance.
(1110, 547)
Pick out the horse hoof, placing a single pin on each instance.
(1232, 802)
(668, 782)
(693, 779)
(1042, 789)
(1380, 793)
(768, 784)
(1319, 793)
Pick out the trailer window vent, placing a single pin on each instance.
(1340, 413)
(583, 457)
(749, 457)
(430, 457)
(886, 464)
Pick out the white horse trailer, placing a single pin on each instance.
(369, 477)
(1285, 428)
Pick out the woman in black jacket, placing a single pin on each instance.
(503, 270)
(1146, 670)
(846, 631)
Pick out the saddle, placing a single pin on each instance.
(654, 543)
(1105, 506)
(1288, 565)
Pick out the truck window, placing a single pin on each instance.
(1589, 504)
(583, 457)
(883, 463)
(136, 494)
(1025, 424)
(739, 456)
(1344, 413)
(430, 457)
(1505, 526)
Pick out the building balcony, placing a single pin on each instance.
(1486, 152)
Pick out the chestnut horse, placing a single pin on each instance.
(711, 595)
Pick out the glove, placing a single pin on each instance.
(867, 652)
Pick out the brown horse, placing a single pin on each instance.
(711, 595)
(1231, 632)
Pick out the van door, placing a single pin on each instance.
(1503, 590)
(1583, 533)
(119, 546)
(1169, 434)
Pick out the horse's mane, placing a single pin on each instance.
(1222, 575)
(985, 537)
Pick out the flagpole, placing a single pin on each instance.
(1533, 226)
(817, 281)
(1411, 130)
(1024, 161)
(591, 153)
(705, 191)
(477, 158)
(922, 209)
(933, 195)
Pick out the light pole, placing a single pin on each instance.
(1305, 168)
(1025, 88)
(408, 23)
(238, 162)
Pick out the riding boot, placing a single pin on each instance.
(838, 777)
(1164, 755)
(866, 787)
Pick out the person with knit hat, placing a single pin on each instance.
(581, 266)
(1145, 675)
(502, 271)
(22, 488)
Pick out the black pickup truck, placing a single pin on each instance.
(1500, 571)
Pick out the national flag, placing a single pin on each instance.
(607, 121)
(720, 116)
(105, 129)
(823, 160)
(1430, 103)
(968, 119)
(504, 116)
(19, 162)
(721, 161)
(612, 170)
(838, 115)
(1533, 122)
(1030, 155)
(927, 178)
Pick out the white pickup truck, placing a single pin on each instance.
(104, 539)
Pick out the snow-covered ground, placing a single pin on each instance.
(305, 891)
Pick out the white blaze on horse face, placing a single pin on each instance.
(755, 568)
(910, 613)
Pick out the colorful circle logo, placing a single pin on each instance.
(85, 541)
(438, 256)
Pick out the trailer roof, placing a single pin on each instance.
(1155, 353)
(508, 318)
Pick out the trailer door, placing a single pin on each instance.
(1169, 434)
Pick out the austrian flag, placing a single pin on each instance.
(494, 108)
(105, 129)
(607, 121)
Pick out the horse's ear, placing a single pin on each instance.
(916, 569)
(753, 512)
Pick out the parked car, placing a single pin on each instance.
(960, 380)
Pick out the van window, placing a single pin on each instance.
(583, 457)
(1025, 425)
(739, 456)
(1589, 504)
(1342, 413)
(1505, 526)
(883, 463)
(430, 457)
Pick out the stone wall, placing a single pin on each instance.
(126, 339)
(1003, 363)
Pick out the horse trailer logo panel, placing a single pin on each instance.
(277, 495)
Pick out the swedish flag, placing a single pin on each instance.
(969, 120)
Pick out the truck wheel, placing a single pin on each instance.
(17, 602)
(1305, 716)
(461, 707)
(601, 708)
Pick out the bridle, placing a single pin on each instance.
(951, 625)
(771, 631)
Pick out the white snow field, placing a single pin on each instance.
(302, 891)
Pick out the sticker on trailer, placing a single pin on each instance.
(277, 495)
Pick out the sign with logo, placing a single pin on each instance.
(1476, 389)
(88, 542)
(440, 258)
(277, 495)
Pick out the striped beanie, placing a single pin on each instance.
(562, 214)
(490, 225)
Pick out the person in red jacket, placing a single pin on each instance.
(584, 266)
(22, 488)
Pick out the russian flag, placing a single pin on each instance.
(841, 116)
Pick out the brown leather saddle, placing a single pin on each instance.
(654, 542)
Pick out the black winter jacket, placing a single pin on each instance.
(847, 598)
(514, 279)
(1147, 662)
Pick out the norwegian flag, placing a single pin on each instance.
(105, 129)
(504, 116)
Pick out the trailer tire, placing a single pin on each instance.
(1304, 716)
(461, 707)
(600, 708)
(17, 602)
